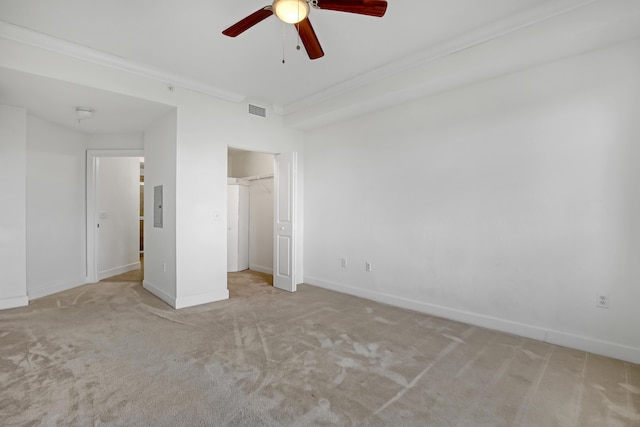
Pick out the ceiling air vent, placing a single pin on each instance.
(257, 111)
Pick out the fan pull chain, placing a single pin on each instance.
(283, 33)
(298, 28)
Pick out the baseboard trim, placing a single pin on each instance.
(193, 300)
(189, 301)
(47, 290)
(14, 302)
(604, 348)
(159, 293)
(118, 270)
(595, 346)
(261, 269)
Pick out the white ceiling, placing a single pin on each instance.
(56, 101)
(180, 42)
(183, 38)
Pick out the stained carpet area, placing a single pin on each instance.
(113, 354)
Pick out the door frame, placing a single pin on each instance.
(92, 166)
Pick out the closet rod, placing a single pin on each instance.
(258, 177)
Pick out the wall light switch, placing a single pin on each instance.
(216, 215)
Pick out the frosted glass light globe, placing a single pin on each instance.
(291, 11)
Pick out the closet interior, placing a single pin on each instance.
(250, 211)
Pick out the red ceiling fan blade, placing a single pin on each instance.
(309, 39)
(362, 7)
(248, 22)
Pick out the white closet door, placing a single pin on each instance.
(284, 226)
(233, 197)
(237, 227)
(243, 227)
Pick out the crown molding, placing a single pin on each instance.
(468, 40)
(43, 41)
(498, 29)
(600, 24)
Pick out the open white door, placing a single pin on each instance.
(284, 225)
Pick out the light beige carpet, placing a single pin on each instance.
(113, 354)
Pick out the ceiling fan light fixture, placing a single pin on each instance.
(291, 11)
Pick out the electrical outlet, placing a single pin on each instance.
(602, 300)
(343, 262)
(367, 266)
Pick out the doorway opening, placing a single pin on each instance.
(271, 211)
(115, 215)
(250, 213)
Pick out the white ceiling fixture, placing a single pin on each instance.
(290, 11)
(84, 113)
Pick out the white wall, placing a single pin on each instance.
(55, 208)
(118, 207)
(508, 203)
(13, 252)
(230, 156)
(56, 203)
(244, 164)
(116, 141)
(160, 243)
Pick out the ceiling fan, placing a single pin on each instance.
(296, 12)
